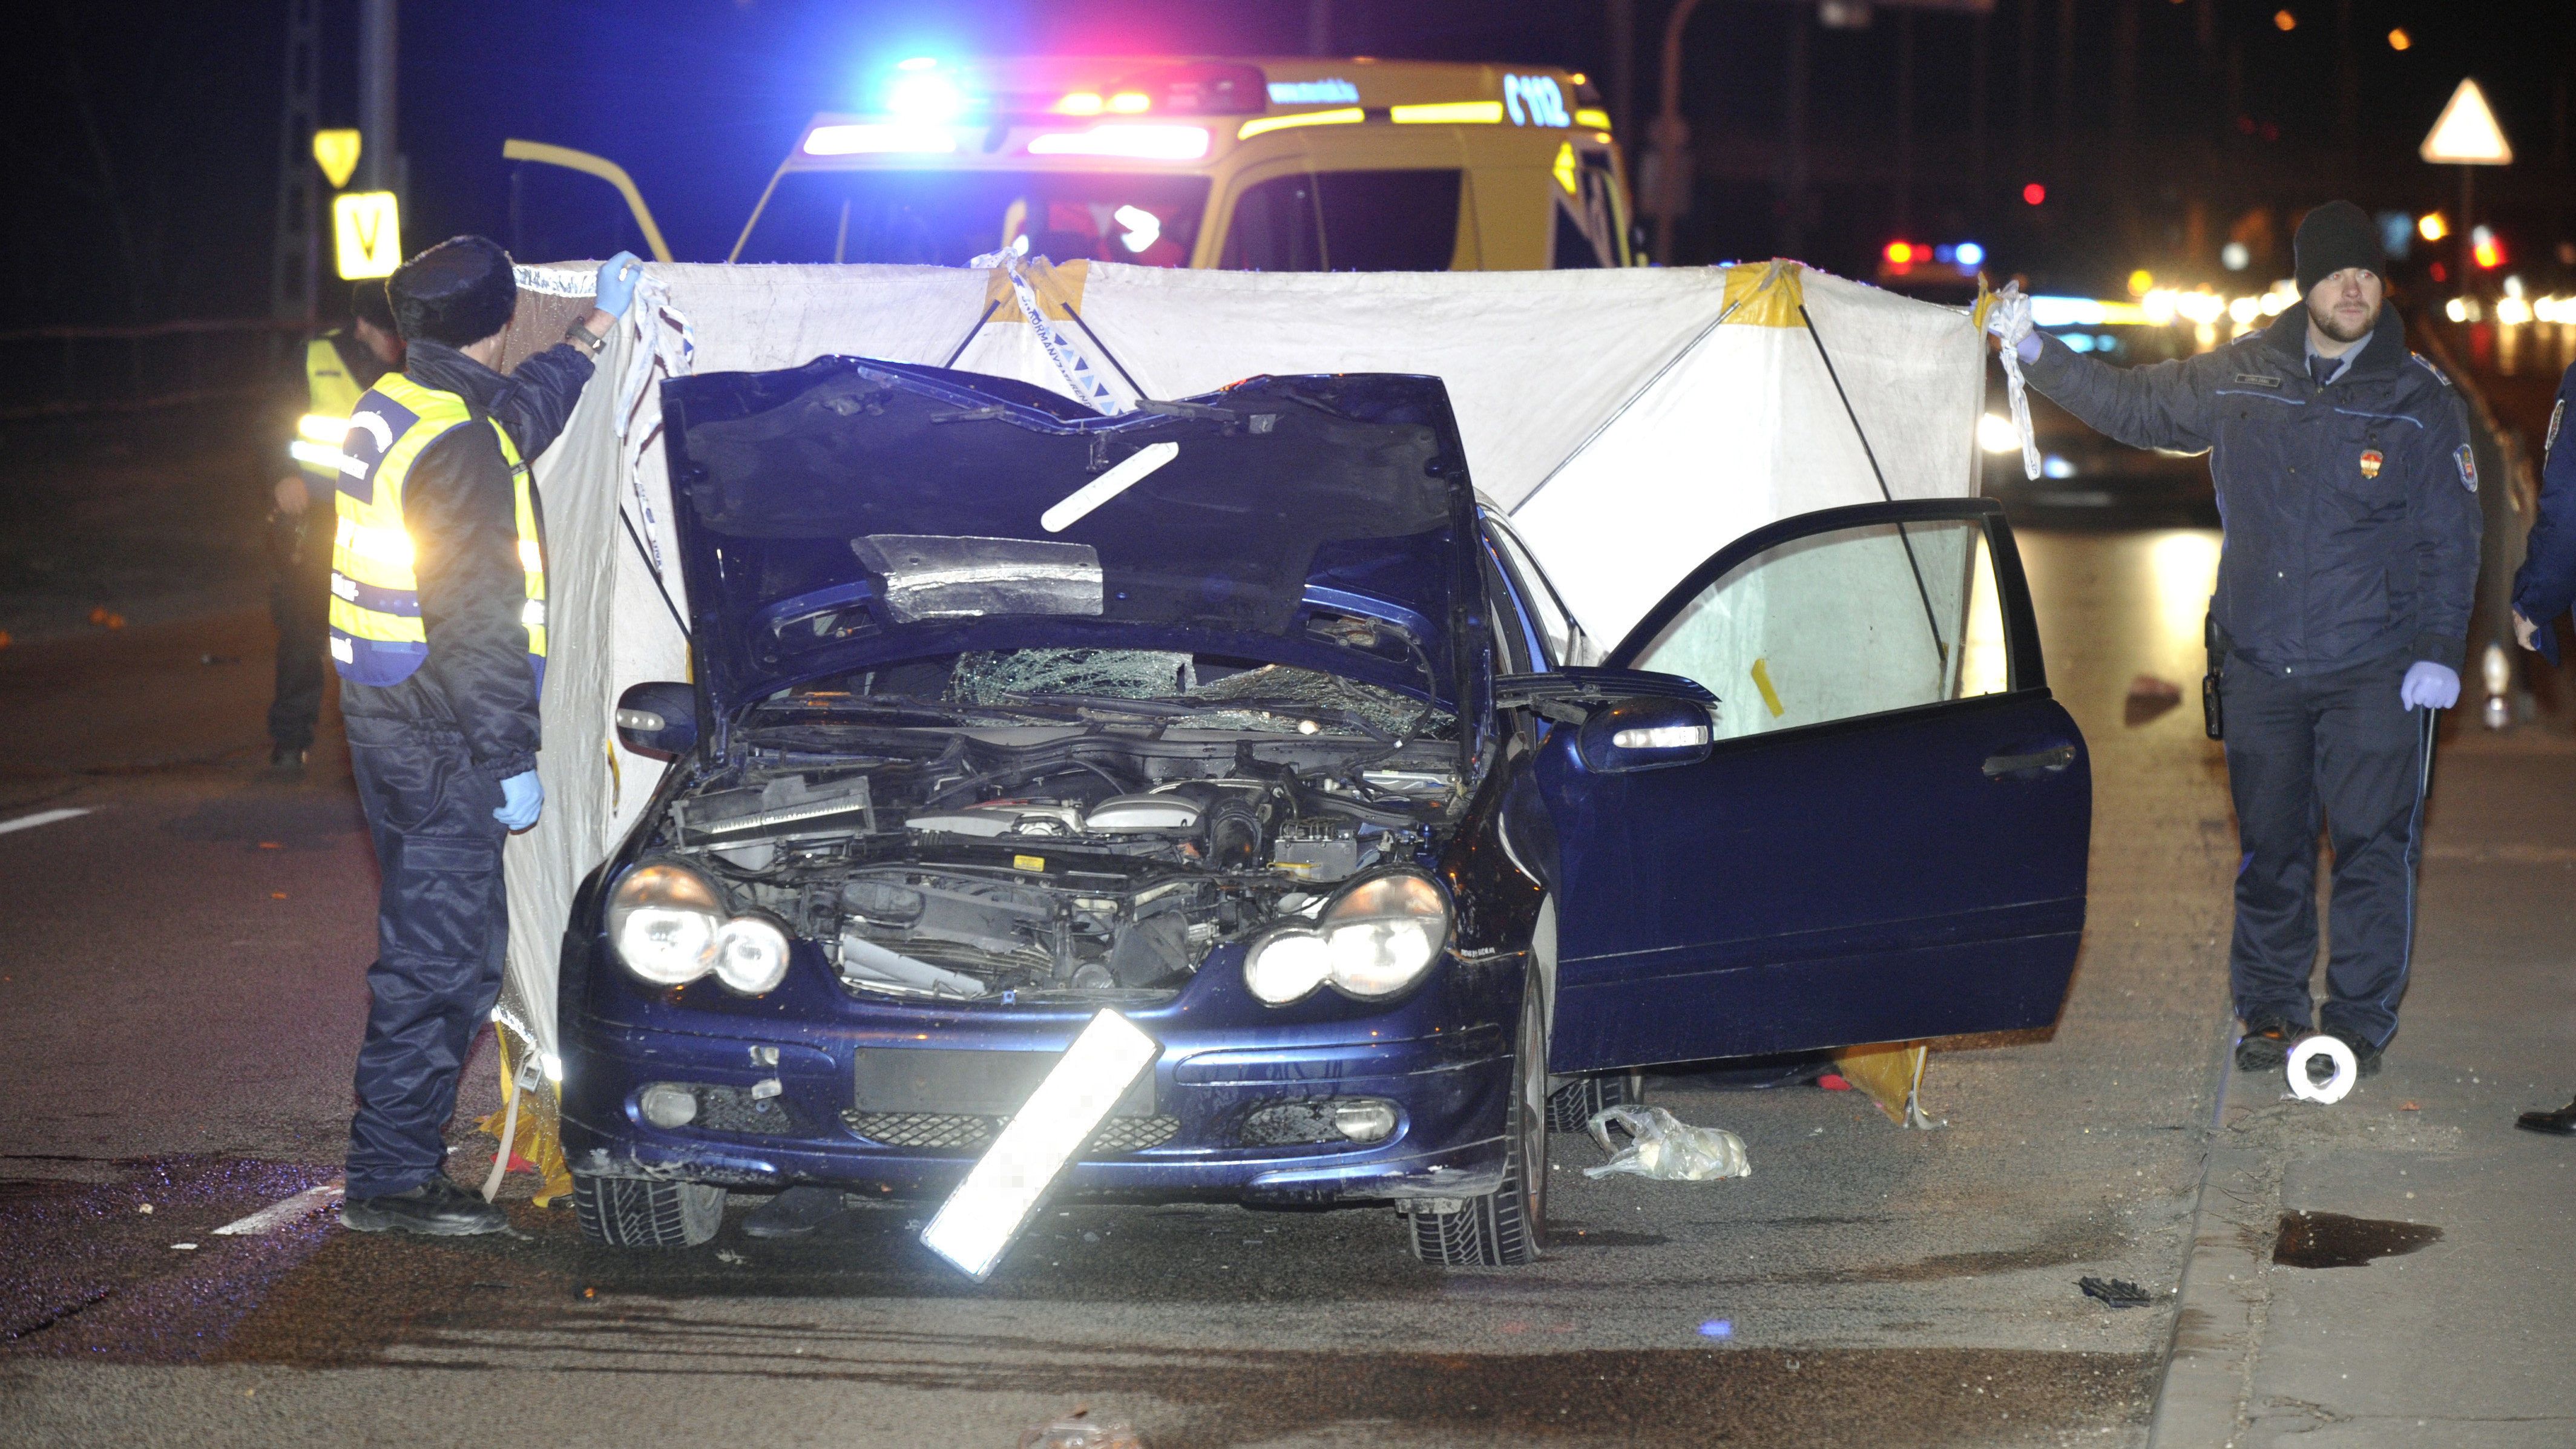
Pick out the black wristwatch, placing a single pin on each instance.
(583, 338)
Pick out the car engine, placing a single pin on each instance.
(1013, 868)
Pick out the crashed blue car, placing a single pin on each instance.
(1242, 717)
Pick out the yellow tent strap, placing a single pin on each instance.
(1892, 1074)
(537, 1139)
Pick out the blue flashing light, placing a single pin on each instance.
(1969, 254)
(1945, 254)
(1718, 1328)
(2054, 466)
(924, 95)
(918, 62)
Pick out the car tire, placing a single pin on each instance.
(1508, 1226)
(1570, 1107)
(634, 1212)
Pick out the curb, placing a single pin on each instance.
(2224, 1304)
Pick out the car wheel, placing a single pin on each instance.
(633, 1212)
(1570, 1107)
(1508, 1225)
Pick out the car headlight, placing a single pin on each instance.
(663, 923)
(751, 954)
(1375, 939)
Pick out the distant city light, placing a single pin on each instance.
(2141, 282)
(1970, 254)
(2284, 21)
(2054, 466)
(2034, 193)
(2432, 226)
(2235, 257)
(2486, 248)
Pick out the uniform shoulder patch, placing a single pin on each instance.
(2468, 461)
(2426, 363)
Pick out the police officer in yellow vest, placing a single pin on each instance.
(338, 366)
(438, 596)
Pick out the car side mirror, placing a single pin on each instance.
(658, 718)
(1645, 732)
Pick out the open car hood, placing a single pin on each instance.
(854, 512)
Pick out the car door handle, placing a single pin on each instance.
(2050, 760)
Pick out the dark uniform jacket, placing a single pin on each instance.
(2547, 583)
(462, 517)
(2351, 510)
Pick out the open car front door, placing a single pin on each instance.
(1887, 837)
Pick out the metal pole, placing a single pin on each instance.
(377, 167)
(1671, 135)
(2468, 219)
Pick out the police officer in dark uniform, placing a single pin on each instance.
(438, 631)
(2541, 592)
(339, 366)
(2349, 497)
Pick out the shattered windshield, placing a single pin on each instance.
(1193, 691)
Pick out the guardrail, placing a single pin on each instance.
(67, 371)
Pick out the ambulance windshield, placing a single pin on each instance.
(947, 218)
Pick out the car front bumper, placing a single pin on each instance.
(789, 1101)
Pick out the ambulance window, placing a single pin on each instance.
(1573, 247)
(1346, 221)
(1390, 221)
(1275, 228)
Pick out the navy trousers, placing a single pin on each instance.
(2337, 750)
(442, 924)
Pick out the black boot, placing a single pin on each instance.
(793, 1213)
(2561, 1123)
(437, 1208)
(2266, 1042)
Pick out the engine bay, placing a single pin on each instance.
(1047, 862)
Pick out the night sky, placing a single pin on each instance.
(143, 140)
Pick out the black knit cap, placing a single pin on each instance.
(2335, 236)
(369, 304)
(457, 292)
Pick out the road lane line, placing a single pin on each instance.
(41, 817)
(278, 1214)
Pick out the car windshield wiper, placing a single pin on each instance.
(878, 706)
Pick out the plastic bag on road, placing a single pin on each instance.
(1664, 1147)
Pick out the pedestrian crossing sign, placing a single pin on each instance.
(368, 225)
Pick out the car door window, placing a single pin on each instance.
(1835, 625)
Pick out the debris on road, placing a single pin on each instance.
(2117, 1292)
(2303, 1082)
(1078, 1430)
(1666, 1148)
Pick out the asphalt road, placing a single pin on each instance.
(181, 1004)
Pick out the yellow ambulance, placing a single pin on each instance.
(1261, 165)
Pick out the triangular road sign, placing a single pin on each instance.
(2467, 133)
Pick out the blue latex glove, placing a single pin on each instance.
(2430, 686)
(522, 797)
(616, 284)
(2028, 349)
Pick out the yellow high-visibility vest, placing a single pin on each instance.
(333, 396)
(376, 635)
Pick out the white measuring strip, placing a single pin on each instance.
(41, 817)
(278, 1214)
(1130, 471)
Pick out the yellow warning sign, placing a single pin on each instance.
(368, 225)
(336, 152)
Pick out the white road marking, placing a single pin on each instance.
(1107, 486)
(278, 1214)
(41, 817)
